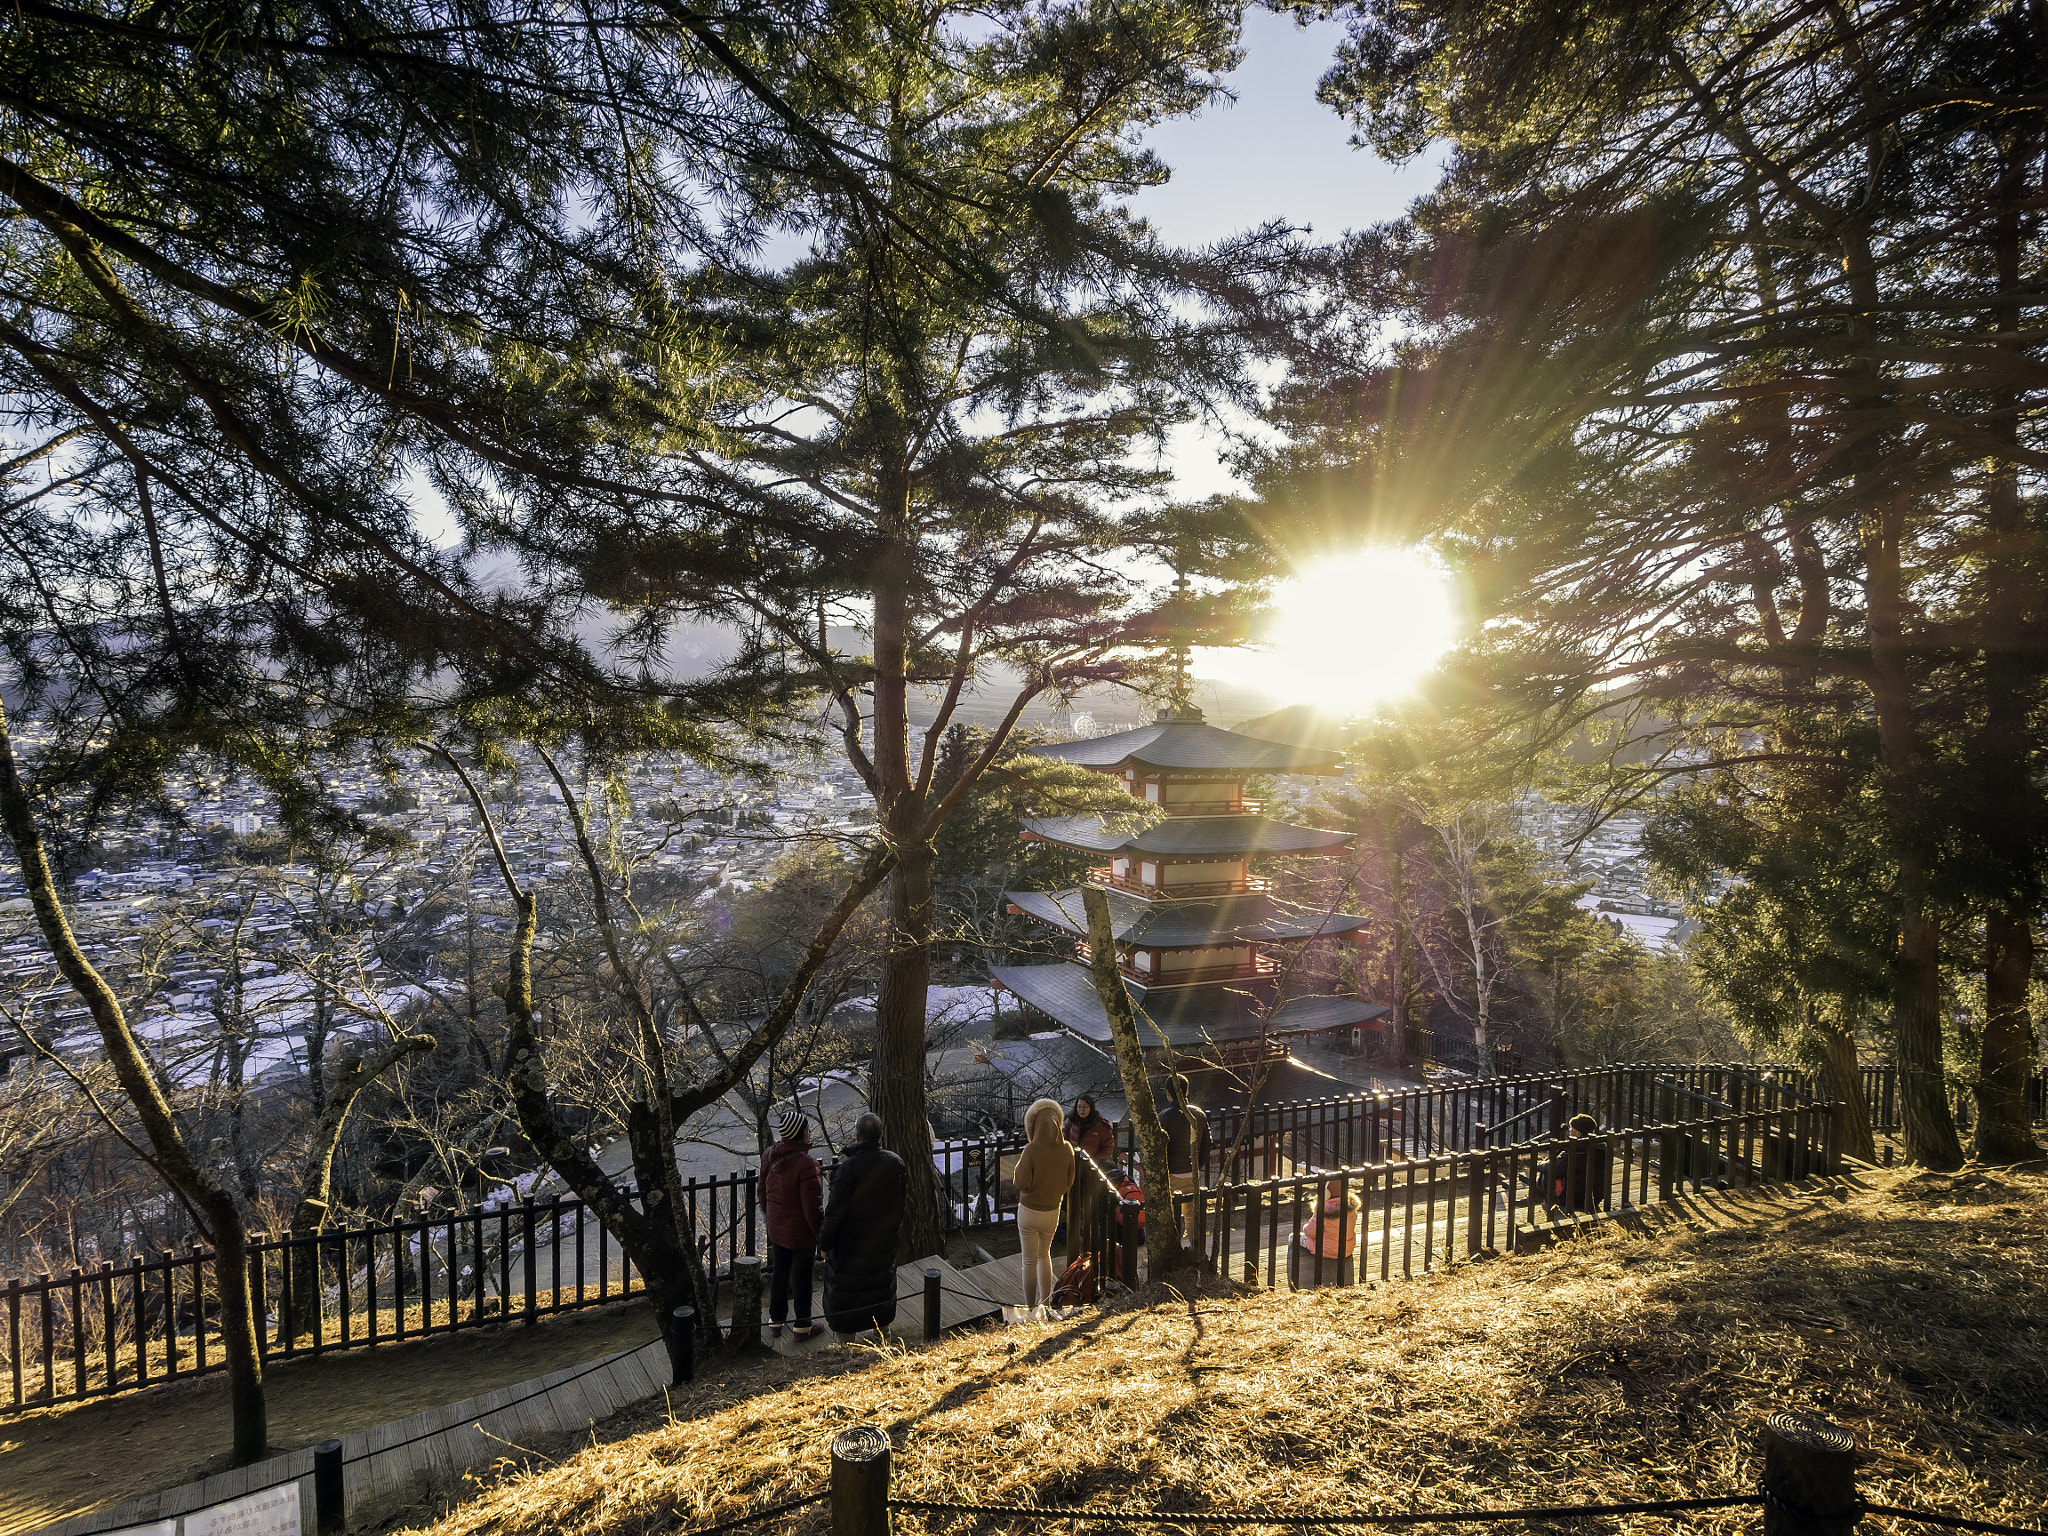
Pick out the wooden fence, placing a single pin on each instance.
(1451, 1147)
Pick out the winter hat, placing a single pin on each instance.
(1585, 1125)
(789, 1122)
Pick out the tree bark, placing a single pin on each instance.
(896, 1073)
(2003, 1134)
(204, 1194)
(1162, 1227)
(316, 1176)
(1843, 1077)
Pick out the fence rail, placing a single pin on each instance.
(1426, 1153)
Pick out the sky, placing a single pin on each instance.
(1277, 153)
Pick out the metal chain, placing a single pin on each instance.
(1954, 1520)
(758, 1514)
(1269, 1517)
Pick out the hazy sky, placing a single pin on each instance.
(1278, 153)
(1274, 153)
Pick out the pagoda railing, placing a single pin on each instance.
(1258, 968)
(1105, 875)
(1237, 807)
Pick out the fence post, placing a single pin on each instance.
(532, 1267)
(1809, 1482)
(932, 1326)
(681, 1335)
(1667, 1143)
(746, 1302)
(860, 1482)
(1128, 1214)
(1474, 1179)
(329, 1517)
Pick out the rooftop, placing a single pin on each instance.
(1189, 924)
(1185, 741)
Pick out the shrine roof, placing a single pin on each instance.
(1189, 924)
(1186, 1016)
(1185, 836)
(1187, 742)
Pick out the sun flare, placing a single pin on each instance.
(1347, 632)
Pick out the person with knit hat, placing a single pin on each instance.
(792, 1192)
(1045, 1172)
(1577, 1177)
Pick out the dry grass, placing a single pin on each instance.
(1617, 1366)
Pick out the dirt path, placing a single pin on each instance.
(62, 1461)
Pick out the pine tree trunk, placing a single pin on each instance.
(1162, 1226)
(1843, 1079)
(896, 1076)
(2015, 818)
(185, 1173)
(896, 1072)
(2003, 1134)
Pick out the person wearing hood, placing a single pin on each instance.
(863, 1217)
(1322, 1252)
(1091, 1133)
(792, 1192)
(1045, 1172)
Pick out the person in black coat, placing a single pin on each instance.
(863, 1216)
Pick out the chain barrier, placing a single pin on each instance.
(756, 1514)
(1270, 1517)
(1927, 1516)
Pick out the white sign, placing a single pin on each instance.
(161, 1528)
(273, 1512)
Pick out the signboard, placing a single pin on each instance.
(273, 1512)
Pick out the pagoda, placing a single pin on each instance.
(1196, 931)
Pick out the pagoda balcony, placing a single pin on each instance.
(1258, 968)
(1105, 875)
(1237, 807)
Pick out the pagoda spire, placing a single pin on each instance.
(1180, 703)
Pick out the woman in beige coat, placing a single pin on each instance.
(1045, 1172)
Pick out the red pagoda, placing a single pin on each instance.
(1198, 935)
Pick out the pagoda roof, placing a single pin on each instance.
(1186, 1016)
(1188, 742)
(1189, 924)
(1185, 836)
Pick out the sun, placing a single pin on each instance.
(1347, 632)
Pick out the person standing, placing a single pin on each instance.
(1187, 1155)
(792, 1192)
(863, 1218)
(1089, 1132)
(1045, 1172)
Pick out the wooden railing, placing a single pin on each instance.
(117, 1327)
(1105, 875)
(1425, 1212)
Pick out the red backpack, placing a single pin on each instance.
(1077, 1285)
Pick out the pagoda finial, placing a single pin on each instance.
(1179, 705)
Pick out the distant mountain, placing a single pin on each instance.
(1304, 725)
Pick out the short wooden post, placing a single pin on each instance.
(1809, 1482)
(746, 1303)
(329, 1517)
(860, 1482)
(932, 1325)
(682, 1345)
(1475, 1222)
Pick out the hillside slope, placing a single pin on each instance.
(1909, 1308)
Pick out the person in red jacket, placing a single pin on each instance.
(792, 1192)
(1091, 1133)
